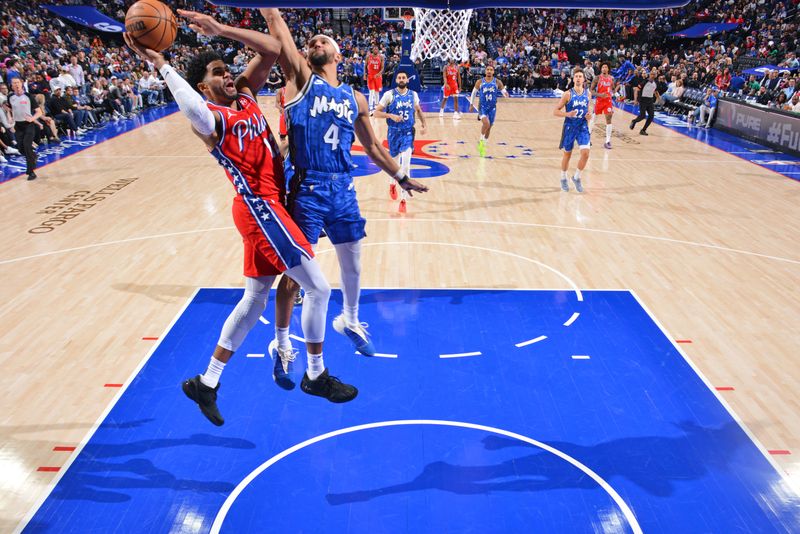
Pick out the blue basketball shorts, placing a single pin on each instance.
(400, 141)
(327, 202)
(489, 114)
(572, 134)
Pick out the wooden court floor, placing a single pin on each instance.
(709, 242)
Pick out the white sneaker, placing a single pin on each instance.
(441, 113)
(11, 151)
(2, 159)
(357, 335)
(283, 364)
(457, 115)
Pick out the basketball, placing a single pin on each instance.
(152, 24)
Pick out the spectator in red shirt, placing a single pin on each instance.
(723, 80)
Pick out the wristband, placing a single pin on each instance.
(399, 175)
(403, 180)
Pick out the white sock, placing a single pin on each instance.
(405, 162)
(315, 365)
(349, 256)
(282, 335)
(211, 377)
(350, 314)
(563, 175)
(608, 133)
(577, 174)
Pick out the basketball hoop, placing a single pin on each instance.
(441, 33)
(408, 20)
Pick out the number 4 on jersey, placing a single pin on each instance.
(332, 137)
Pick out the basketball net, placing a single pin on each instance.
(441, 33)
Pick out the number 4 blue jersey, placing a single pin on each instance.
(321, 120)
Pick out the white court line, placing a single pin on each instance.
(409, 221)
(572, 319)
(231, 499)
(597, 230)
(530, 342)
(99, 421)
(460, 355)
(784, 475)
(380, 354)
(580, 357)
(261, 318)
(255, 355)
(575, 287)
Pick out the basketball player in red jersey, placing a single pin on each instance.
(374, 76)
(236, 133)
(603, 87)
(452, 87)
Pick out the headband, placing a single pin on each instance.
(334, 43)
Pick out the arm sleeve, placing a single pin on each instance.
(189, 101)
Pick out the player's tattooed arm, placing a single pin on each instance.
(374, 149)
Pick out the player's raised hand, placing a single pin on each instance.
(202, 24)
(145, 53)
(410, 185)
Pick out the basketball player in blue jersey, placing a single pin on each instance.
(399, 107)
(488, 89)
(324, 117)
(574, 107)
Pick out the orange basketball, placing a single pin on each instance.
(152, 24)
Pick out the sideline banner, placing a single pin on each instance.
(87, 16)
(774, 128)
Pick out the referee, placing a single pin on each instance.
(645, 93)
(24, 110)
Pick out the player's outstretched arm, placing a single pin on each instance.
(292, 63)
(374, 149)
(204, 121)
(267, 48)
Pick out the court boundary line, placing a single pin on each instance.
(763, 450)
(222, 513)
(469, 221)
(110, 406)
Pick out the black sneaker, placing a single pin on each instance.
(32, 176)
(633, 124)
(205, 397)
(329, 387)
(643, 133)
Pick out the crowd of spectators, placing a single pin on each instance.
(82, 78)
